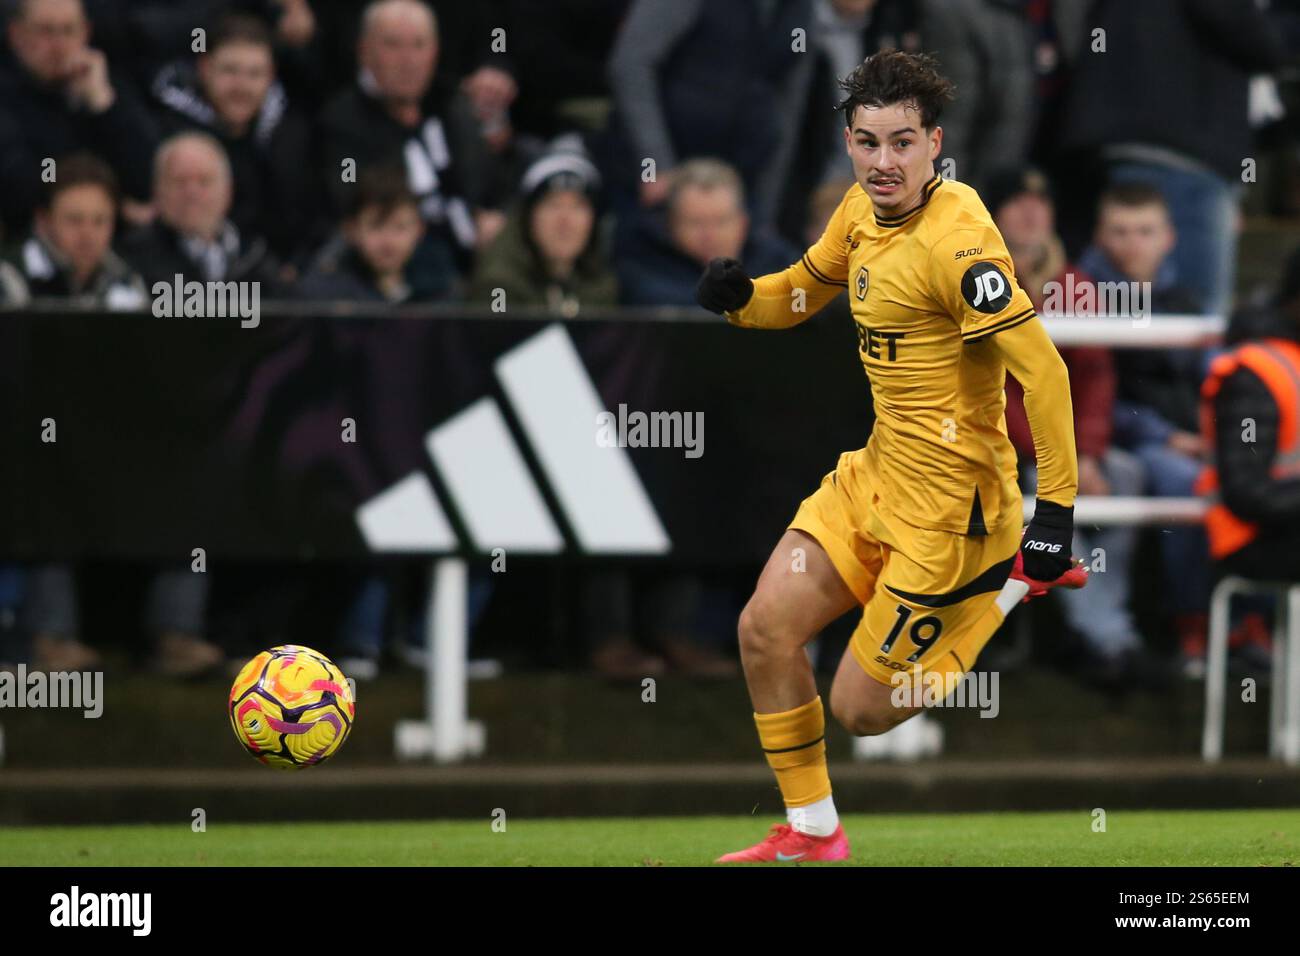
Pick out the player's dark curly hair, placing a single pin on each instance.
(893, 76)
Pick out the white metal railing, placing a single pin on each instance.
(1137, 332)
(1134, 510)
(1284, 695)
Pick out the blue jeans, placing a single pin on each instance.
(1184, 548)
(1203, 206)
(361, 632)
(177, 602)
(50, 606)
(365, 622)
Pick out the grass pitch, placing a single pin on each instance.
(1131, 838)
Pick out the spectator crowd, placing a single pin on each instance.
(582, 154)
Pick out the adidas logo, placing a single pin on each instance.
(491, 487)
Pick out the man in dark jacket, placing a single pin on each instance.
(987, 49)
(146, 35)
(660, 261)
(1250, 402)
(842, 33)
(69, 253)
(1161, 94)
(693, 78)
(390, 116)
(57, 96)
(193, 235)
(232, 92)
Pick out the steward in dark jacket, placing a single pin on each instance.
(1254, 520)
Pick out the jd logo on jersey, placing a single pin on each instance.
(862, 282)
(985, 288)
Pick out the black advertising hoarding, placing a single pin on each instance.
(144, 437)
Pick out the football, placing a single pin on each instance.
(291, 707)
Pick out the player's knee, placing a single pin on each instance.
(759, 630)
(865, 721)
(870, 724)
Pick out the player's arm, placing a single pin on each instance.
(973, 278)
(777, 301)
(782, 299)
(1029, 355)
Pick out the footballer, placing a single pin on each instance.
(922, 528)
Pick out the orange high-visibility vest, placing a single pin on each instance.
(1277, 363)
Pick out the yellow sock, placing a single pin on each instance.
(795, 745)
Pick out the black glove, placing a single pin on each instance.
(1046, 544)
(724, 287)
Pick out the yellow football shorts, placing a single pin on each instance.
(928, 596)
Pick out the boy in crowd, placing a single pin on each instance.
(1156, 407)
(1115, 655)
(380, 233)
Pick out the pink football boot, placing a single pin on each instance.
(787, 845)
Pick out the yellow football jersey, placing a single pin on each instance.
(928, 289)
